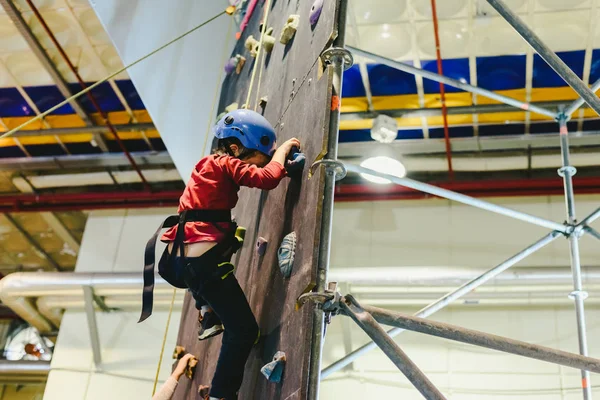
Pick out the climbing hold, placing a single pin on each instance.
(315, 12)
(178, 352)
(190, 369)
(203, 391)
(286, 253)
(240, 234)
(235, 64)
(289, 29)
(230, 10)
(240, 64)
(268, 40)
(273, 371)
(295, 161)
(261, 246)
(230, 65)
(252, 45)
(228, 109)
(263, 102)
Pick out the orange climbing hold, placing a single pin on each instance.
(335, 103)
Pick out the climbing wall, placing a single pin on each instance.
(298, 92)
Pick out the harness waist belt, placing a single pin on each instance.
(210, 216)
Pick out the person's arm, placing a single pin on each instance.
(266, 178)
(168, 388)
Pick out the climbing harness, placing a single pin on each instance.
(209, 216)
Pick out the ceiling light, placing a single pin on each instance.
(385, 129)
(385, 165)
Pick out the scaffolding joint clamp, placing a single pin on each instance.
(335, 55)
(569, 170)
(562, 117)
(578, 230)
(331, 166)
(576, 294)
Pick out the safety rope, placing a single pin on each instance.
(228, 11)
(262, 64)
(217, 91)
(260, 47)
(164, 343)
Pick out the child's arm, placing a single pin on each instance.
(266, 178)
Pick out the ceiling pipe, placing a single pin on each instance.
(89, 94)
(57, 291)
(24, 372)
(19, 290)
(440, 68)
(53, 307)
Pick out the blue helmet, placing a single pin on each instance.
(251, 128)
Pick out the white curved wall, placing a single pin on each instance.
(177, 84)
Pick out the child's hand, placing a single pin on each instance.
(281, 154)
(290, 144)
(182, 365)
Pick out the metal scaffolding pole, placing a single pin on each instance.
(338, 59)
(574, 106)
(547, 54)
(391, 349)
(453, 82)
(592, 231)
(461, 198)
(590, 218)
(578, 295)
(482, 339)
(447, 299)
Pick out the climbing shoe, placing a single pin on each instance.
(209, 325)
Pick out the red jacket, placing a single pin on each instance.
(214, 185)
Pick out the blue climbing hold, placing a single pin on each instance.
(286, 253)
(315, 12)
(295, 162)
(273, 371)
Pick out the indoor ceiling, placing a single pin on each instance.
(72, 151)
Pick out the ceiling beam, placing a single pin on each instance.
(32, 241)
(50, 218)
(84, 129)
(84, 161)
(17, 19)
(434, 112)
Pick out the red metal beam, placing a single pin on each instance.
(442, 89)
(87, 201)
(91, 97)
(344, 193)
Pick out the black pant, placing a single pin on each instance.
(211, 282)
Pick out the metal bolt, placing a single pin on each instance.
(294, 81)
(309, 81)
(577, 294)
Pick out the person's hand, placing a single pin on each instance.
(288, 145)
(281, 154)
(181, 365)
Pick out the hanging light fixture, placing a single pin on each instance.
(385, 165)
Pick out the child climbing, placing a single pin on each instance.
(202, 239)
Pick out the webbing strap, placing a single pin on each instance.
(212, 216)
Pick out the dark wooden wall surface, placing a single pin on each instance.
(299, 98)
